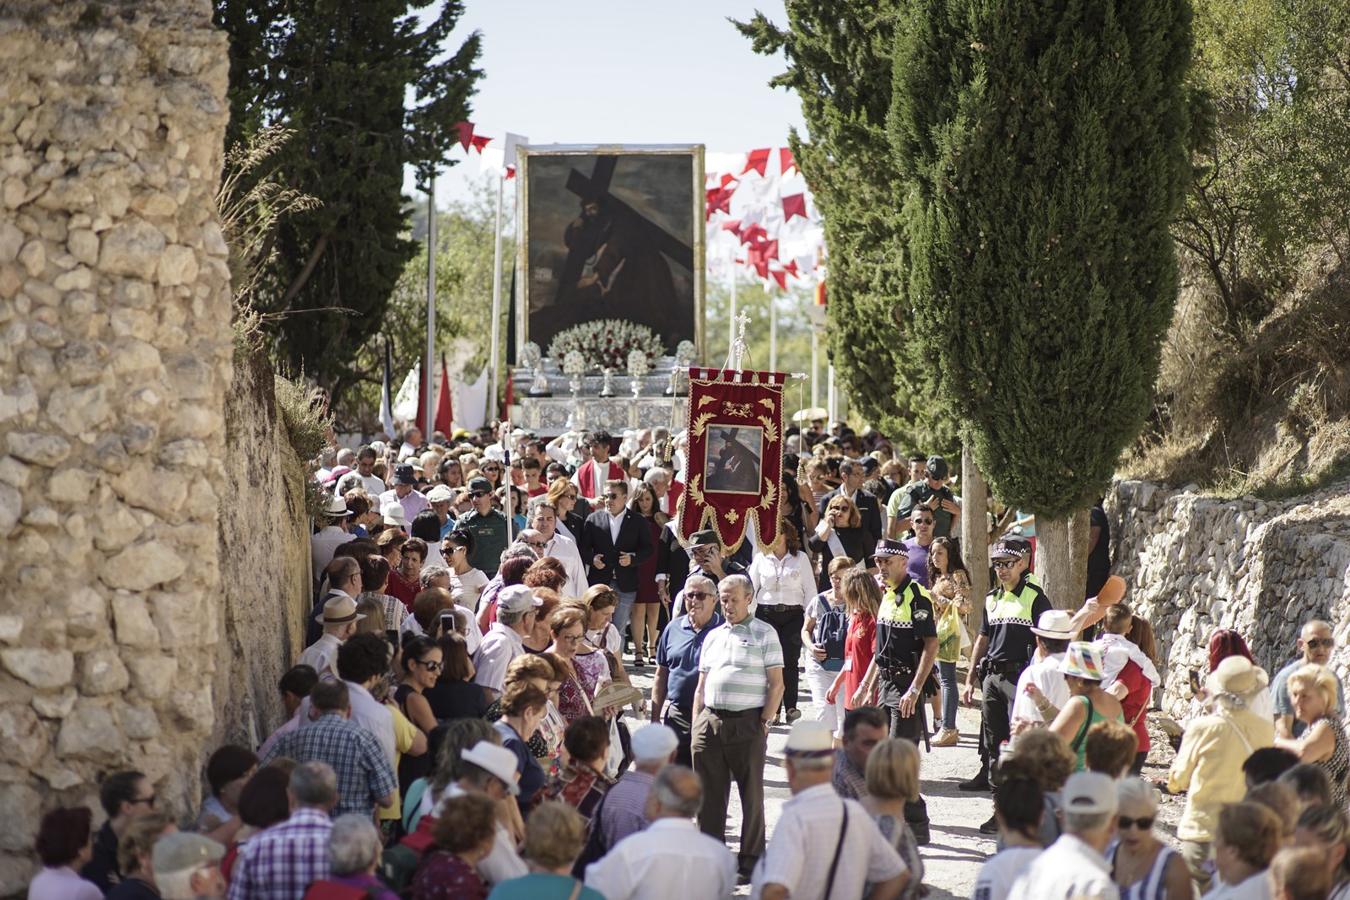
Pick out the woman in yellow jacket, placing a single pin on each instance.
(1209, 764)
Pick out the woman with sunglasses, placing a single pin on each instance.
(422, 662)
(646, 613)
(1143, 867)
(492, 471)
(563, 495)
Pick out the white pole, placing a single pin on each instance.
(815, 366)
(834, 414)
(429, 370)
(773, 333)
(493, 364)
(731, 317)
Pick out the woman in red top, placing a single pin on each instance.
(862, 599)
(647, 607)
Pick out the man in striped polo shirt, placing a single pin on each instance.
(740, 685)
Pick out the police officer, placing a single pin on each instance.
(1003, 649)
(487, 525)
(902, 665)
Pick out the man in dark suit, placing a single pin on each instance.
(613, 543)
(703, 556)
(851, 471)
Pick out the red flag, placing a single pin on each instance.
(719, 198)
(510, 172)
(820, 292)
(510, 398)
(794, 205)
(732, 225)
(791, 269)
(786, 160)
(479, 142)
(780, 277)
(465, 130)
(757, 160)
(445, 413)
(753, 234)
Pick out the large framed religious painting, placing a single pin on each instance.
(611, 232)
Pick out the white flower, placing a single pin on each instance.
(574, 363)
(637, 363)
(606, 343)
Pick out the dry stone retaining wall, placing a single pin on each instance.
(1195, 563)
(115, 351)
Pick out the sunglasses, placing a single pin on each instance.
(922, 521)
(696, 595)
(613, 496)
(432, 666)
(1144, 823)
(1318, 643)
(1004, 563)
(478, 494)
(148, 801)
(491, 469)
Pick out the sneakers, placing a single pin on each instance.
(979, 783)
(947, 737)
(793, 715)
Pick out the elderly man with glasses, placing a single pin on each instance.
(1315, 644)
(677, 657)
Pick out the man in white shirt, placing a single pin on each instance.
(1053, 632)
(815, 824)
(339, 618)
(334, 533)
(364, 476)
(1074, 865)
(544, 519)
(670, 858)
(504, 641)
(362, 661)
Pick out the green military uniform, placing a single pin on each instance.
(489, 538)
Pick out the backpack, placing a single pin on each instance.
(831, 629)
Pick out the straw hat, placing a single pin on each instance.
(1237, 675)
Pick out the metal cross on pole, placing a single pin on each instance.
(738, 346)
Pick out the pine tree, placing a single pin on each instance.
(1043, 145)
(838, 54)
(339, 73)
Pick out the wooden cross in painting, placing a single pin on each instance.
(625, 219)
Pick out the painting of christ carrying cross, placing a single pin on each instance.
(612, 233)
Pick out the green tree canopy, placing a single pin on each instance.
(1042, 145)
(366, 90)
(839, 64)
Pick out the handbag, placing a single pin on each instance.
(838, 847)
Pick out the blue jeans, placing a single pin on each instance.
(623, 612)
(950, 693)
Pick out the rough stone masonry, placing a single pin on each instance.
(115, 350)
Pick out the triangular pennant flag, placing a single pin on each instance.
(786, 160)
(791, 268)
(465, 130)
(757, 160)
(510, 172)
(794, 205)
(479, 142)
(445, 410)
(780, 277)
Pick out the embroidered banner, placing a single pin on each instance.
(735, 455)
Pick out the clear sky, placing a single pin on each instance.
(630, 71)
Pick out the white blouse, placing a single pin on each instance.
(785, 581)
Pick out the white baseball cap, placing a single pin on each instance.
(1090, 792)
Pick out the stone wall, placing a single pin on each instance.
(264, 559)
(115, 351)
(1195, 563)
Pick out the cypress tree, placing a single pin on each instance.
(340, 73)
(838, 54)
(1043, 147)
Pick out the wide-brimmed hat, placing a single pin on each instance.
(1083, 661)
(184, 851)
(394, 514)
(496, 761)
(335, 507)
(339, 608)
(1055, 624)
(809, 738)
(404, 474)
(1237, 675)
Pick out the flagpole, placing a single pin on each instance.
(815, 366)
(496, 301)
(831, 394)
(773, 333)
(731, 317)
(429, 370)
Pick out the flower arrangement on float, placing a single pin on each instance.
(606, 343)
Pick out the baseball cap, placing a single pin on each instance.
(937, 468)
(1009, 547)
(480, 484)
(654, 742)
(496, 760)
(517, 599)
(705, 538)
(1089, 792)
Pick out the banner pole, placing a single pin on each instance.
(494, 353)
(429, 370)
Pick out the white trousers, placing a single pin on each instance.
(832, 714)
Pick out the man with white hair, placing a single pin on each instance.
(187, 867)
(669, 858)
(281, 862)
(354, 850)
(544, 520)
(799, 863)
(667, 490)
(1074, 865)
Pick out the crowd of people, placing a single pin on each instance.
(463, 721)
